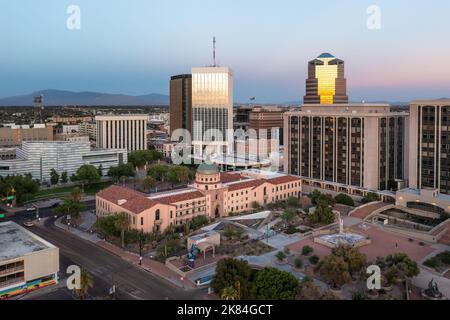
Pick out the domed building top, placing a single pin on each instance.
(206, 168)
(325, 55)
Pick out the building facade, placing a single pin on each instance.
(326, 83)
(212, 107)
(349, 148)
(14, 135)
(27, 262)
(213, 194)
(180, 105)
(38, 158)
(429, 156)
(122, 132)
(88, 129)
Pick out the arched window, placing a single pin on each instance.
(157, 215)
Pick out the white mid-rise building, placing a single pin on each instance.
(122, 131)
(38, 158)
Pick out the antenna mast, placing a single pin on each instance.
(214, 51)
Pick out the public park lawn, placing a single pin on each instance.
(64, 191)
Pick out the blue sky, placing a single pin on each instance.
(134, 46)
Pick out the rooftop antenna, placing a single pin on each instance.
(214, 51)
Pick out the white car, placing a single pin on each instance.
(28, 224)
(31, 208)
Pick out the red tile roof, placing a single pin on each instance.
(227, 177)
(136, 202)
(180, 197)
(245, 185)
(283, 179)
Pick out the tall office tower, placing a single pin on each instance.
(180, 107)
(326, 83)
(212, 107)
(348, 148)
(122, 132)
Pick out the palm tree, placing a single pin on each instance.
(122, 223)
(229, 293)
(86, 282)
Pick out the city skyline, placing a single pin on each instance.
(269, 59)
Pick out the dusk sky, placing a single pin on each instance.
(134, 46)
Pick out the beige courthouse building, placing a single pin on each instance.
(214, 194)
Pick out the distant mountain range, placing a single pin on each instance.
(62, 98)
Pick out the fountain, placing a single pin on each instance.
(332, 240)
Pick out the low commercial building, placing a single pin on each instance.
(14, 135)
(38, 158)
(214, 194)
(27, 262)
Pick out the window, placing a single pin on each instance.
(157, 215)
(142, 221)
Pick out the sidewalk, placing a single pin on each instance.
(154, 267)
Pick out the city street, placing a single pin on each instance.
(106, 268)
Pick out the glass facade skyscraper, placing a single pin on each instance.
(326, 83)
(212, 105)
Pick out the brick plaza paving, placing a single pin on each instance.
(383, 243)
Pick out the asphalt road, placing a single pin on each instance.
(106, 268)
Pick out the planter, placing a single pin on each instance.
(336, 291)
(281, 262)
(373, 294)
(387, 288)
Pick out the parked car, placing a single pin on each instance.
(31, 209)
(28, 223)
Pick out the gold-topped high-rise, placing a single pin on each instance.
(326, 83)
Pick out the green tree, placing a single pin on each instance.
(398, 267)
(121, 172)
(323, 215)
(273, 284)
(307, 290)
(149, 183)
(72, 205)
(288, 215)
(21, 187)
(159, 172)
(229, 293)
(87, 174)
(293, 202)
(178, 174)
(54, 177)
(122, 223)
(228, 272)
(355, 260)
(370, 197)
(140, 158)
(100, 170)
(86, 282)
(64, 177)
(334, 270)
(344, 199)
